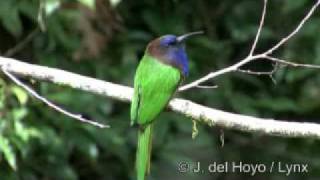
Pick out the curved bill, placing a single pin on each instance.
(186, 36)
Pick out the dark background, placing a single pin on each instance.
(107, 42)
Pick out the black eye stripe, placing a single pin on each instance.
(172, 43)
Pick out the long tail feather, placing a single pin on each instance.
(144, 151)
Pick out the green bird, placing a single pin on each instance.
(161, 70)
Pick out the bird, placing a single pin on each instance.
(162, 68)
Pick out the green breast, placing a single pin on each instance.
(154, 85)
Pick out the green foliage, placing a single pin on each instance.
(106, 42)
(8, 152)
(88, 3)
(9, 14)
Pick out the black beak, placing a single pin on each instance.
(187, 35)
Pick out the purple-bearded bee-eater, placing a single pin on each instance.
(161, 70)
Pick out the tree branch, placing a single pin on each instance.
(260, 27)
(50, 104)
(184, 107)
(22, 44)
(295, 31)
(251, 57)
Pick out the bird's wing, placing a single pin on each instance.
(154, 85)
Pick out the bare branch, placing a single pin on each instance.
(187, 108)
(273, 79)
(50, 104)
(251, 57)
(259, 73)
(260, 27)
(22, 44)
(211, 75)
(206, 87)
(292, 64)
(244, 123)
(295, 31)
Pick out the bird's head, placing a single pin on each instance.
(170, 49)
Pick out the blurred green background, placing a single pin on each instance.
(105, 40)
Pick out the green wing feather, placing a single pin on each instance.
(154, 85)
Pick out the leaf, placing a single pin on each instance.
(25, 133)
(29, 9)
(21, 95)
(19, 113)
(114, 3)
(51, 5)
(2, 94)
(8, 152)
(9, 16)
(89, 3)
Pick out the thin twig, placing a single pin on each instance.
(269, 73)
(292, 64)
(50, 104)
(187, 108)
(273, 79)
(207, 87)
(259, 73)
(265, 55)
(18, 47)
(184, 107)
(260, 27)
(295, 31)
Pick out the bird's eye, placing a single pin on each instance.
(172, 43)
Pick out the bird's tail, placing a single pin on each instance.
(144, 151)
